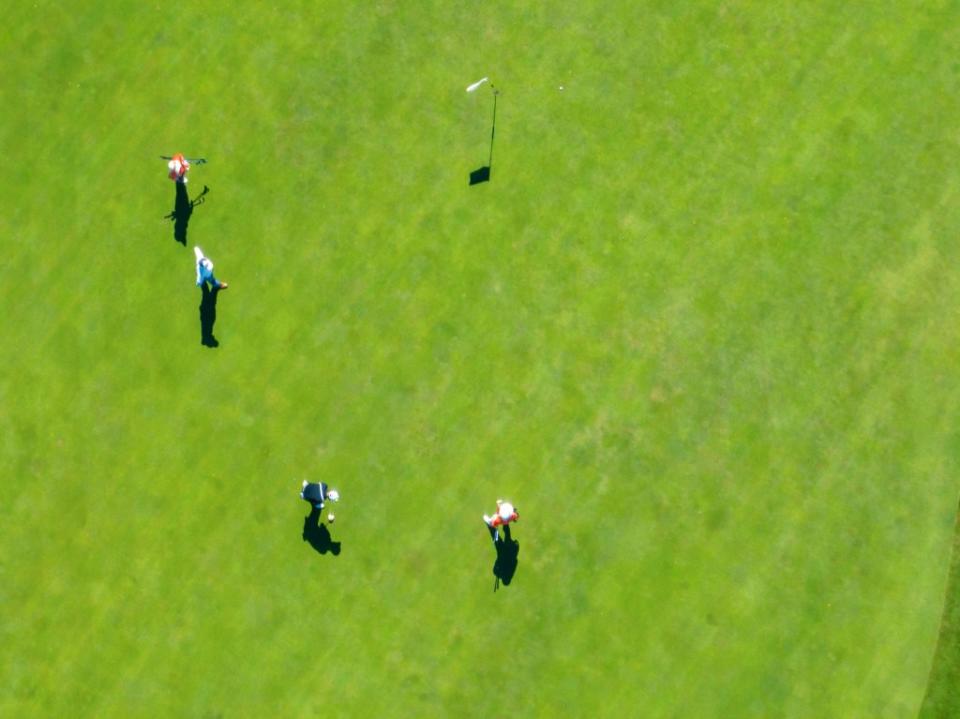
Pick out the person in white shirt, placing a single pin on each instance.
(505, 514)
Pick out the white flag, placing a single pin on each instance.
(478, 83)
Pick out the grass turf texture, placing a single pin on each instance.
(943, 699)
(700, 327)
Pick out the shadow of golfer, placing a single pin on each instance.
(317, 534)
(182, 209)
(507, 548)
(208, 316)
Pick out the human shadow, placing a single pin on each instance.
(482, 174)
(183, 209)
(208, 316)
(507, 548)
(317, 534)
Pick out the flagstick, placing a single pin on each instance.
(493, 127)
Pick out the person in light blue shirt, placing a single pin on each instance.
(205, 271)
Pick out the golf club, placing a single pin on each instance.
(191, 160)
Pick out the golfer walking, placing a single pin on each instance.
(205, 271)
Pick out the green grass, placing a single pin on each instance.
(942, 699)
(700, 328)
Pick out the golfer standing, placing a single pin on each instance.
(317, 493)
(178, 167)
(505, 514)
(205, 271)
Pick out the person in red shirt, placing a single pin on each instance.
(178, 167)
(505, 514)
(507, 547)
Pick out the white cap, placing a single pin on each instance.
(333, 495)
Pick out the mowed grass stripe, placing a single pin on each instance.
(942, 698)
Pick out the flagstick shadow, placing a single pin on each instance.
(482, 174)
(479, 175)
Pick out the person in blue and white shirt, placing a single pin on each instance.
(205, 271)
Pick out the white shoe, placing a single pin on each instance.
(304, 483)
(488, 520)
